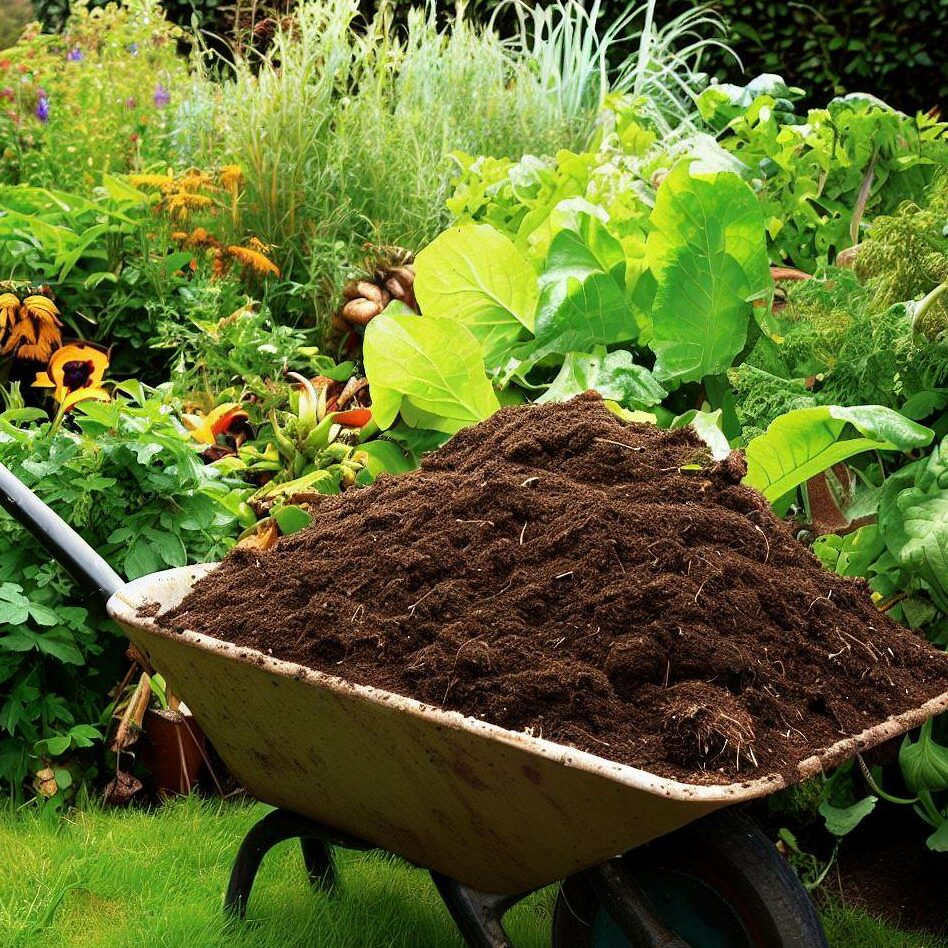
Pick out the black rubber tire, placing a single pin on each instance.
(727, 853)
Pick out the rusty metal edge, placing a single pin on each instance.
(124, 606)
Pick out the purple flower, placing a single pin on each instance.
(133, 48)
(42, 109)
(75, 55)
(162, 96)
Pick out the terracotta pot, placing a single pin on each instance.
(172, 750)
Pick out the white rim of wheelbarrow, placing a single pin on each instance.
(124, 606)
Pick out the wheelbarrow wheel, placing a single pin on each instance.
(718, 883)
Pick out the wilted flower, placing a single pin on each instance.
(42, 109)
(33, 328)
(75, 55)
(162, 96)
(131, 102)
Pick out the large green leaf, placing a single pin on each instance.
(805, 442)
(924, 762)
(475, 275)
(708, 254)
(913, 519)
(613, 374)
(431, 366)
(584, 247)
(841, 820)
(580, 315)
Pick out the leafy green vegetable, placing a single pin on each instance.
(807, 441)
(475, 275)
(913, 518)
(592, 312)
(707, 252)
(613, 374)
(429, 368)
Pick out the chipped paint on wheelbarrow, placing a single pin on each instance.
(497, 810)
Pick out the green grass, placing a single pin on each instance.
(124, 879)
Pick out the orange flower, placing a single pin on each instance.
(183, 202)
(206, 428)
(75, 374)
(254, 260)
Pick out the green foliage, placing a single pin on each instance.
(852, 47)
(613, 374)
(228, 343)
(761, 397)
(913, 519)
(14, 15)
(475, 275)
(54, 14)
(127, 477)
(807, 441)
(818, 175)
(706, 273)
(99, 97)
(356, 126)
(431, 370)
(905, 254)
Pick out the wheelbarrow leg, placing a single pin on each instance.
(478, 915)
(274, 828)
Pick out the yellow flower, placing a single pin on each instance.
(181, 203)
(231, 178)
(206, 428)
(150, 180)
(194, 180)
(75, 374)
(36, 331)
(254, 260)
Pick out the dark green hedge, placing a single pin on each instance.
(895, 49)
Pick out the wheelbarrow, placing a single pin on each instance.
(492, 814)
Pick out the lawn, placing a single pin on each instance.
(114, 879)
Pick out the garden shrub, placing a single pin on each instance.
(98, 97)
(129, 478)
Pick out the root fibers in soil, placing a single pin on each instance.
(600, 584)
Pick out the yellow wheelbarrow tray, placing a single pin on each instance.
(492, 814)
(498, 810)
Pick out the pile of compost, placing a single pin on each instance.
(596, 583)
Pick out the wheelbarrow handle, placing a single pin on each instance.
(59, 539)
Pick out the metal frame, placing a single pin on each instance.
(477, 915)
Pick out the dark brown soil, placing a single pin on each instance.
(599, 584)
(885, 868)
